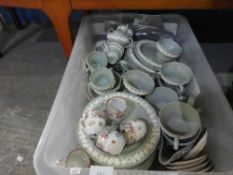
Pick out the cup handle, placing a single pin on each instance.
(106, 46)
(130, 43)
(181, 88)
(176, 143)
(191, 100)
(82, 122)
(123, 62)
(88, 69)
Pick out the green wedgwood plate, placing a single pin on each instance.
(132, 155)
(143, 166)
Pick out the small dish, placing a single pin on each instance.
(161, 96)
(200, 158)
(208, 168)
(138, 82)
(78, 158)
(186, 166)
(196, 168)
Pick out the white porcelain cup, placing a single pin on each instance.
(110, 141)
(94, 122)
(133, 130)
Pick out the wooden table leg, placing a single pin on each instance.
(59, 12)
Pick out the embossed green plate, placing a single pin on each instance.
(134, 154)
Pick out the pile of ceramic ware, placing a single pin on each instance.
(107, 129)
(137, 89)
(119, 129)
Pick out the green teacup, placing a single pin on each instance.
(138, 82)
(96, 59)
(168, 49)
(114, 51)
(176, 74)
(179, 121)
(161, 96)
(102, 79)
(114, 89)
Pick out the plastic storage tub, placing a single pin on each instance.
(58, 137)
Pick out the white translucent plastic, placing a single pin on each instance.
(59, 138)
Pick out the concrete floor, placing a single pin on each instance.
(30, 73)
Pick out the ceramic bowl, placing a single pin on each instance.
(96, 59)
(110, 141)
(114, 89)
(146, 52)
(133, 130)
(176, 74)
(102, 79)
(161, 96)
(116, 108)
(133, 61)
(169, 48)
(138, 82)
(94, 122)
(179, 121)
(78, 158)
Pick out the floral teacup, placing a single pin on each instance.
(133, 130)
(116, 108)
(110, 141)
(94, 122)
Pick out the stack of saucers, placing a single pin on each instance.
(183, 139)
